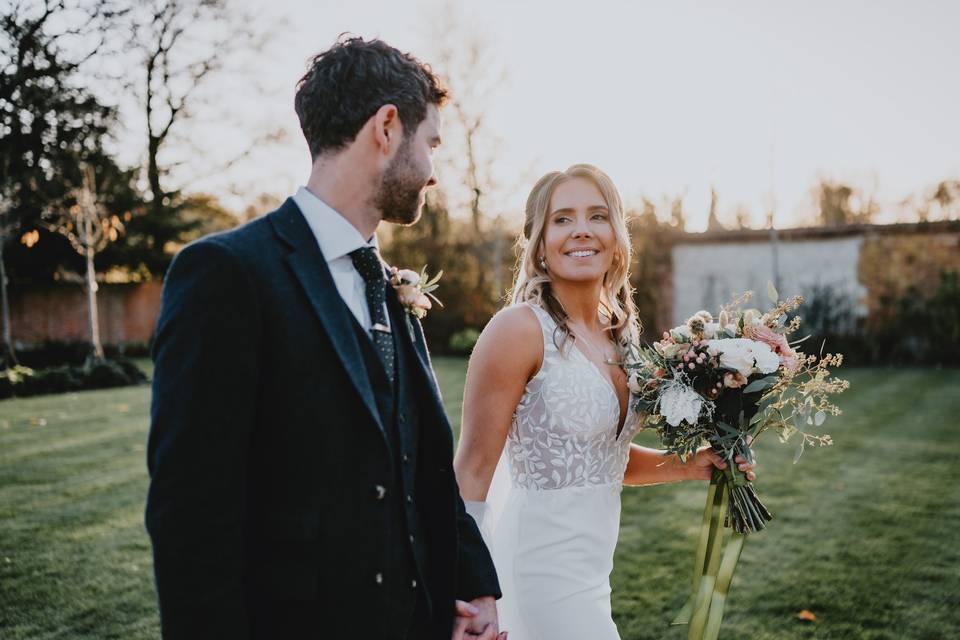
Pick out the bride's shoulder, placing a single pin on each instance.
(513, 334)
(517, 320)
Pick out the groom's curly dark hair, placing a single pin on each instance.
(346, 84)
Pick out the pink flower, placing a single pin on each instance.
(413, 290)
(409, 295)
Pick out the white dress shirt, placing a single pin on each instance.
(337, 237)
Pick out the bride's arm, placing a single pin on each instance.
(654, 466)
(508, 353)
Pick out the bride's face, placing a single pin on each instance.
(578, 238)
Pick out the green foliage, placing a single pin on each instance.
(56, 353)
(926, 328)
(473, 263)
(843, 204)
(463, 342)
(49, 124)
(651, 264)
(23, 381)
(919, 327)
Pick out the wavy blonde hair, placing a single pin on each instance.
(532, 283)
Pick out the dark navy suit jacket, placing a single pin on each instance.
(268, 458)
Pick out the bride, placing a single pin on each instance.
(545, 439)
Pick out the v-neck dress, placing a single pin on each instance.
(553, 544)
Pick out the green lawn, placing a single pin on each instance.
(866, 532)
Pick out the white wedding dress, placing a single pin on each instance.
(552, 515)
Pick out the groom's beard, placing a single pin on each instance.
(399, 192)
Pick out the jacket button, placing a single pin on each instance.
(409, 498)
(379, 491)
(406, 458)
(378, 578)
(413, 583)
(412, 538)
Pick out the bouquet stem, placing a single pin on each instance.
(712, 516)
(747, 513)
(731, 500)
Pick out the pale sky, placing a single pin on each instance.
(667, 97)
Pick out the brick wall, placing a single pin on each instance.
(127, 313)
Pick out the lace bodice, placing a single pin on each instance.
(564, 431)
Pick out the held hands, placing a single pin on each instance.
(703, 461)
(477, 620)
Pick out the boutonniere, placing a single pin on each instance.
(414, 290)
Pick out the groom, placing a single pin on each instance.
(300, 459)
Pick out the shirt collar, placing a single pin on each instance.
(335, 234)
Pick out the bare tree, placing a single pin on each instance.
(89, 227)
(841, 204)
(678, 215)
(713, 221)
(182, 45)
(742, 217)
(947, 197)
(466, 62)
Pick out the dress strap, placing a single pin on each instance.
(547, 325)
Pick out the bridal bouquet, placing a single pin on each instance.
(722, 382)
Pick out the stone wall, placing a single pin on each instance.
(867, 266)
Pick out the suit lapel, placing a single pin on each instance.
(309, 267)
(421, 361)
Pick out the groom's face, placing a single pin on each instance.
(402, 186)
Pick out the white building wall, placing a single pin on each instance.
(708, 275)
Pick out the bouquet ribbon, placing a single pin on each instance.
(718, 552)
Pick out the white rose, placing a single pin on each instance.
(679, 403)
(767, 361)
(710, 330)
(408, 276)
(735, 353)
(634, 383)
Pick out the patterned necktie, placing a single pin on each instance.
(368, 265)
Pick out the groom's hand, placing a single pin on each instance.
(477, 620)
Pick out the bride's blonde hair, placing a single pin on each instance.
(532, 282)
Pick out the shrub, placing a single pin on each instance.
(463, 341)
(23, 381)
(58, 353)
(919, 327)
